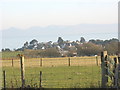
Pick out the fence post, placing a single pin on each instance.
(97, 60)
(119, 70)
(115, 73)
(41, 62)
(40, 79)
(22, 70)
(69, 61)
(4, 78)
(12, 62)
(104, 69)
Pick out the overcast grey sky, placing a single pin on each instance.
(28, 13)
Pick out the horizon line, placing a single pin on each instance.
(54, 25)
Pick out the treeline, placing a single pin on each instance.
(51, 52)
(95, 49)
(68, 48)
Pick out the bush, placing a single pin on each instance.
(89, 49)
(51, 52)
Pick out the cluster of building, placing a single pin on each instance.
(63, 46)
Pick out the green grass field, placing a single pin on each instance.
(9, 55)
(83, 72)
(56, 77)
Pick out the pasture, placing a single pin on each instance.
(55, 77)
(54, 62)
(9, 55)
(83, 72)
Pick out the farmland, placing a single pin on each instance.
(83, 72)
(53, 62)
(56, 77)
(8, 55)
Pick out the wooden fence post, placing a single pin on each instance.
(4, 79)
(41, 62)
(69, 61)
(40, 79)
(104, 69)
(115, 73)
(119, 70)
(97, 60)
(22, 70)
(12, 62)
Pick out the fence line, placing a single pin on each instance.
(53, 78)
(44, 78)
(14, 81)
(51, 62)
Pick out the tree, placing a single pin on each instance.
(50, 52)
(82, 40)
(60, 40)
(111, 47)
(99, 42)
(2, 50)
(25, 45)
(118, 47)
(6, 50)
(89, 49)
(34, 42)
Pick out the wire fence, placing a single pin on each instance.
(52, 62)
(67, 72)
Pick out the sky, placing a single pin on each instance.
(28, 13)
(25, 14)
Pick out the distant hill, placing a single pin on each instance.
(14, 37)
